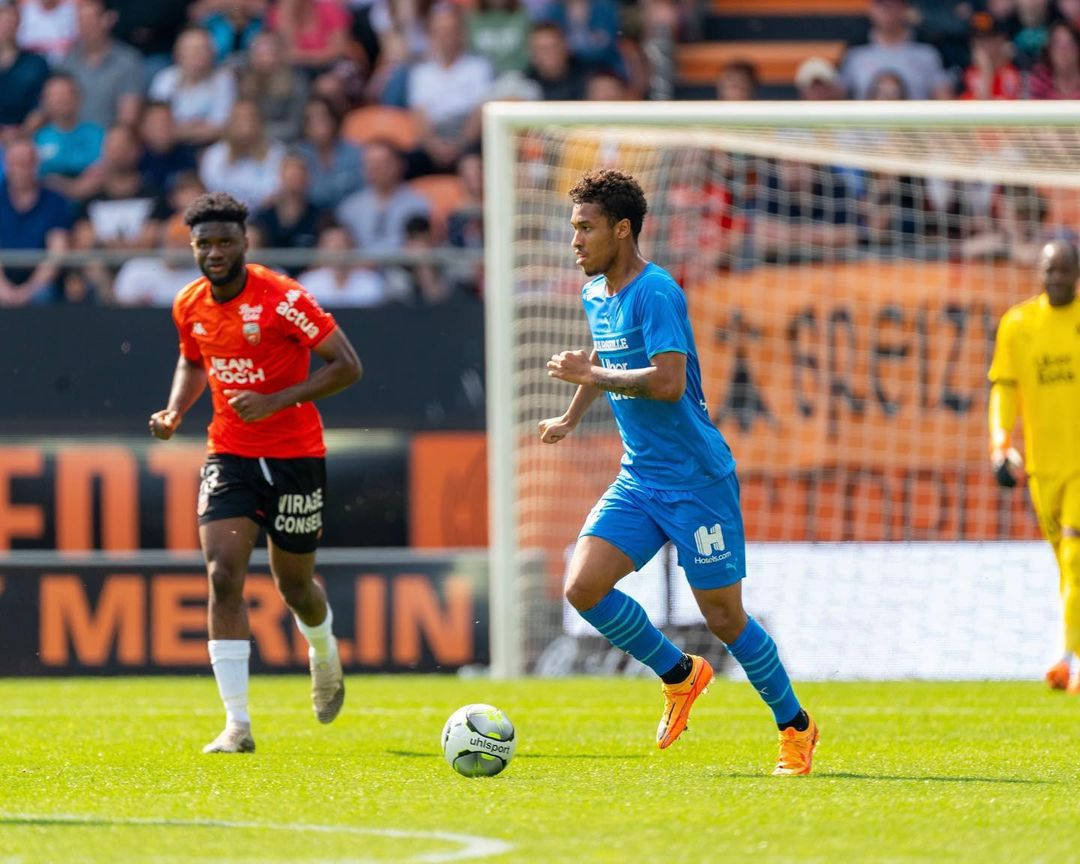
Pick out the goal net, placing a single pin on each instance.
(845, 267)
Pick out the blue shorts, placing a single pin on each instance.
(705, 525)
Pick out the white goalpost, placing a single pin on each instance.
(845, 265)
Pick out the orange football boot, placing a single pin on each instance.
(678, 699)
(797, 750)
(1057, 676)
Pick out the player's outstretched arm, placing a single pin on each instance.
(663, 380)
(1004, 408)
(340, 369)
(189, 381)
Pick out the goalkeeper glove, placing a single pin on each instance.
(1006, 463)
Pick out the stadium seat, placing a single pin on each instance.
(445, 193)
(397, 125)
(776, 62)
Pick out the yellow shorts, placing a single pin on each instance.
(1057, 503)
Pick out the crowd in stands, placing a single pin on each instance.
(354, 125)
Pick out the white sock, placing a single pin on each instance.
(1074, 666)
(320, 638)
(229, 657)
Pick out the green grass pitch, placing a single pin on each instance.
(109, 770)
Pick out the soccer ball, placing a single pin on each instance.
(478, 740)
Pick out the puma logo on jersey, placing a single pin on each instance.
(197, 329)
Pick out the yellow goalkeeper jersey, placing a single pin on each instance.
(1038, 349)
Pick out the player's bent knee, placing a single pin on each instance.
(725, 623)
(581, 595)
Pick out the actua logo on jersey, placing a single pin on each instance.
(236, 370)
(294, 316)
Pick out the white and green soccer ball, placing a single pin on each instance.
(478, 740)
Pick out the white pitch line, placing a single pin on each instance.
(472, 846)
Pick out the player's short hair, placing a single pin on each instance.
(618, 195)
(215, 207)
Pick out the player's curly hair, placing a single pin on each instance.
(215, 207)
(619, 196)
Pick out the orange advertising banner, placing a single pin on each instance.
(448, 491)
(878, 364)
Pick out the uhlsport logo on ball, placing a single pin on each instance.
(478, 740)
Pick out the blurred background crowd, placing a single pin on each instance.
(351, 128)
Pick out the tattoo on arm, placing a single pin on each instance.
(626, 382)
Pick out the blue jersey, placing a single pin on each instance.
(668, 445)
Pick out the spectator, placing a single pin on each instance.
(151, 27)
(1069, 10)
(364, 32)
(991, 74)
(499, 31)
(180, 195)
(47, 27)
(122, 211)
(66, 146)
(290, 220)
(817, 80)
(446, 91)
(31, 217)
(201, 97)
(738, 82)
(154, 280)
(465, 224)
(233, 25)
(334, 165)
(422, 282)
(591, 28)
(245, 164)
(123, 207)
(606, 85)
(22, 73)
(560, 75)
(806, 215)
(110, 72)
(163, 157)
(892, 47)
(278, 88)
(1017, 231)
(1057, 74)
(339, 284)
(1031, 26)
(315, 32)
(376, 216)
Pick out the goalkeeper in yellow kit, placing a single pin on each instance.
(1036, 372)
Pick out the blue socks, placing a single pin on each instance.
(756, 653)
(622, 621)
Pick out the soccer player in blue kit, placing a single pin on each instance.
(677, 480)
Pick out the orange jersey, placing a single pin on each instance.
(259, 340)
